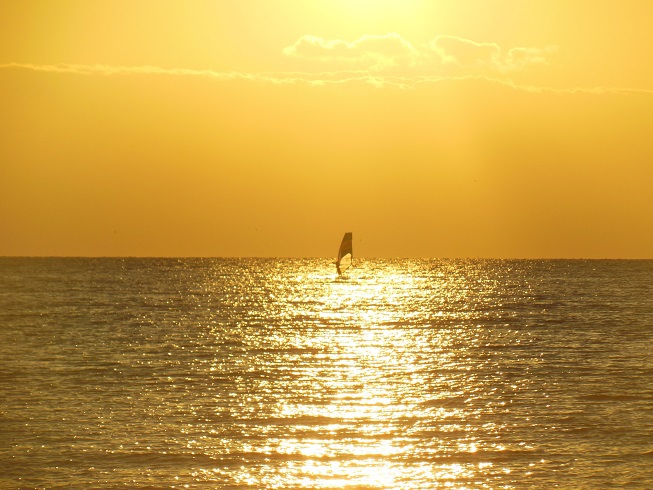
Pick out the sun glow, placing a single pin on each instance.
(369, 17)
(133, 131)
(385, 8)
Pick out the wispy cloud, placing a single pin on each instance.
(276, 78)
(451, 50)
(372, 78)
(520, 58)
(371, 52)
(465, 53)
(380, 53)
(109, 70)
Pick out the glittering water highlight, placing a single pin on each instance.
(273, 373)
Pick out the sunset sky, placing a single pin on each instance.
(442, 128)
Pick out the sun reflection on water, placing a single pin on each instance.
(367, 381)
(368, 376)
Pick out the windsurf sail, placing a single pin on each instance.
(345, 254)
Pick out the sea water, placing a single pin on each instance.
(274, 373)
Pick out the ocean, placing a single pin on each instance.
(273, 373)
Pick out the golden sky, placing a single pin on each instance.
(442, 128)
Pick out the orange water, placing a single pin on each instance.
(275, 374)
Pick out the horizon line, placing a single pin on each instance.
(288, 257)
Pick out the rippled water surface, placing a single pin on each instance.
(266, 373)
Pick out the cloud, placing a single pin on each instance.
(311, 79)
(520, 58)
(384, 52)
(452, 50)
(386, 60)
(374, 52)
(109, 70)
(463, 52)
(274, 78)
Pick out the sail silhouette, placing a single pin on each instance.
(345, 254)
